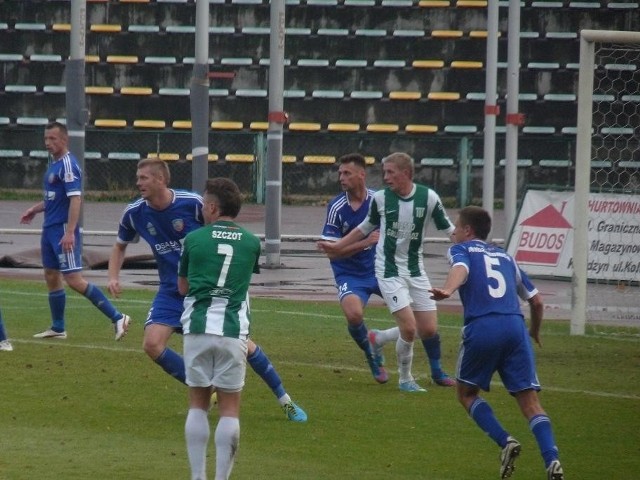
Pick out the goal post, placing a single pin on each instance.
(611, 139)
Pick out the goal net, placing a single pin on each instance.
(606, 240)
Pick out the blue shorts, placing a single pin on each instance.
(166, 309)
(498, 343)
(360, 286)
(52, 255)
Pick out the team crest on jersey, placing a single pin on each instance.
(420, 212)
(178, 224)
(151, 229)
(68, 177)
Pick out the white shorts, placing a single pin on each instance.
(400, 292)
(213, 360)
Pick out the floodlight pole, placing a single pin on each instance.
(76, 111)
(277, 118)
(199, 100)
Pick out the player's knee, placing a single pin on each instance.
(152, 347)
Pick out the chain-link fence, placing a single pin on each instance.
(450, 164)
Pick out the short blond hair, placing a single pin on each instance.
(158, 167)
(401, 160)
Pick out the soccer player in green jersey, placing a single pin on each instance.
(401, 212)
(216, 266)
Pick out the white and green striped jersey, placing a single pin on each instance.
(218, 260)
(402, 222)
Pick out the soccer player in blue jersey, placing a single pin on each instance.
(163, 217)
(401, 212)
(353, 267)
(495, 337)
(5, 344)
(61, 244)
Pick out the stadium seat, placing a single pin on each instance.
(289, 159)
(323, 3)
(143, 28)
(543, 66)
(319, 159)
(296, 31)
(144, 91)
(625, 5)
(190, 29)
(54, 89)
(630, 98)
(38, 154)
(32, 121)
(603, 97)
(621, 66)
(436, 162)
(167, 157)
(110, 123)
(105, 28)
(466, 64)
(343, 127)
(124, 156)
(359, 3)
(5, 120)
(260, 126)
(480, 96)
(6, 153)
(39, 57)
(134, 1)
(226, 125)
(399, 95)
(368, 32)
(343, 62)
(600, 164)
(251, 92)
(4, 26)
(97, 90)
(366, 94)
(471, 4)
(551, 163)
(20, 88)
(92, 156)
(265, 62)
(561, 35)
(294, 94)
(434, 3)
(160, 60)
(236, 61)
(546, 4)
(192, 60)
(529, 35)
(527, 97)
(417, 128)
(399, 32)
(427, 64)
(617, 130)
(460, 129)
(313, 62)
(11, 57)
(584, 5)
(327, 94)
(446, 34)
(397, 3)
(446, 96)
(218, 92)
(174, 92)
(240, 157)
(122, 59)
(333, 32)
(304, 127)
(389, 63)
(212, 157)
(92, 58)
(520, 162)
(155, 124)
(181, 124)
(539, 130)
(35, 26)
(559, 97)
(629, 164)
(382, 128)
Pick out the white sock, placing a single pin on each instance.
(227, 440)
(196, 430)
(388, 335)
(404, 352)
(284, 399)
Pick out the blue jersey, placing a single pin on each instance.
(341, 219)
(163, 230)
(63, 179)
(494, 283)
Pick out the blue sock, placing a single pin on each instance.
(95, 295)
(432, 347)
(263, 367)
(484, 417)
(57, 302)
(540, 425)
(173, 364)
(3, 332)
(359, 335)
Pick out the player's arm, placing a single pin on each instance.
(536, 306)
(332, 249)
(456, 277)
(69, 239)
(31, 212)
(115, 265)
(356, 247)
(183, 286)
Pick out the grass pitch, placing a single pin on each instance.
(88, 407)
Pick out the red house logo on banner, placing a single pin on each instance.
(543, 237)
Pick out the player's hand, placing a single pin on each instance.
(373, 237)
(68, 241)
(113, 286)
(536, 336)
(27, 216)
(324, 246)
(439, 293)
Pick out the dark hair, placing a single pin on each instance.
(60, 126)
(356, 158)
(478, 219)
(227, 195)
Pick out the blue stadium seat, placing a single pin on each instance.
(143, 28)
(32, 121)
(135, 156)
(366, 94)
(333, 32)
(174, 92)
(552, 163)
(294, 94)
(623, 5)
(297, 31)
(160, 60)
(236, 61)
(539, 130)
(437, 162)
(351, 63)
(180, 29)
(367, 32)
(584, 5)
(7, 153)
(313, 62)
(398, 32)
(222, 30)
(11, 57)
(390, 63)
(218, 92)
(327, 94)
(520, 162)
(38, 154)
(559, 97)
(54, 89)
(460, 129)
(20, 88)
(265, 62)
(39, 57)
(254, 30)
(35, 26)
(251, 92)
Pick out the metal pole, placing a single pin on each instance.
(277, 118)
(490, 109)
(199, 98)
(76, 111)
(514, 119)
